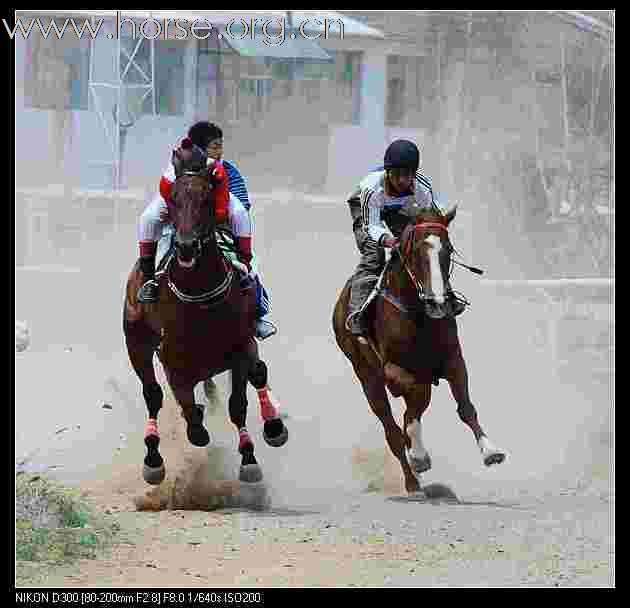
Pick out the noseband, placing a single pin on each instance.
(406, 254)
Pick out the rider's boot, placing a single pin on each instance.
(149, 292)
(355, 321)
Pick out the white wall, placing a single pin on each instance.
(354, 150)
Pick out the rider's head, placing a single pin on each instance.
(402, 159)
(209, 137)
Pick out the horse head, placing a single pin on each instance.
(426, 253)
(191, 209)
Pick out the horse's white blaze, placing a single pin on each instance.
(437, 281)
(414, 430)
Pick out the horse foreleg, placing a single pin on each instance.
(250, 470)
(275, 432)
(457, 377)
(141, 342)
(417, 399)
(374, 389)
(192, 413)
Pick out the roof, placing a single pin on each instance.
(600, 22)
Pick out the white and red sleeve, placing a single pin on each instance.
(166, 184)
(241, 227)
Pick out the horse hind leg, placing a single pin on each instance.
(458, 381)
(275, 432)
(141, 343)
(250, 470)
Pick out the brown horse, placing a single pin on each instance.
(413, 342)
(203, 325)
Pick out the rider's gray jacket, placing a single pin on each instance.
(370, 195)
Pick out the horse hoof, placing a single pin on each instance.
(276, 439)
(419, 465)
(493, 458)
(153, 475)
(416, 496)
(250, 473)
(198, 436)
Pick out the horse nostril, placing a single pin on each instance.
(434, 309)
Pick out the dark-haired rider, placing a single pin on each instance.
(231, 212)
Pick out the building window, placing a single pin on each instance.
(412, 92)
(218, 67)
(239, 88)
(56, 73)
(348, 97)
(169, 76)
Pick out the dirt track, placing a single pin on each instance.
(554, 533)
(543, 518)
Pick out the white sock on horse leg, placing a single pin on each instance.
(414, 431)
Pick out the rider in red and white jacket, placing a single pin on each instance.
(230, 213)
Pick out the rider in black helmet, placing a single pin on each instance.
(377, 223)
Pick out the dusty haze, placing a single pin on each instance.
(76, 363)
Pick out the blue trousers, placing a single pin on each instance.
(262, 300)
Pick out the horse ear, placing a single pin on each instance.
(451, 213)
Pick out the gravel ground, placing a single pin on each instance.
(548, 533)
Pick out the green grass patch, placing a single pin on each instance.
(55, 525)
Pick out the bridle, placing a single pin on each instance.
(406, 253)
(218, 294)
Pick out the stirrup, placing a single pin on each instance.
(149, 292)
(265, 329)
(355, 324)
(457, 305)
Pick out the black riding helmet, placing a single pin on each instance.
(402, 154)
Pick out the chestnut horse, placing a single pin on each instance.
(203, 325)
(413, 342)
